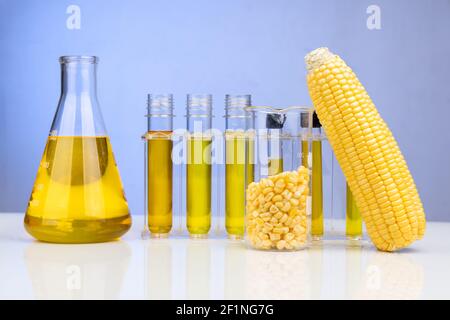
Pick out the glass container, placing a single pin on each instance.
(199, 167)
(317, 218)
(158, 166)
(237, 149)
(278, 202)
(78, 196)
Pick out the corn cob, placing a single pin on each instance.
(367, 152)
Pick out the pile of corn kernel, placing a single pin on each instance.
(276, 211)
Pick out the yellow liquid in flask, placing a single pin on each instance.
(199, 186)
(77, 196)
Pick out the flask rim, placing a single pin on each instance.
(78, 59)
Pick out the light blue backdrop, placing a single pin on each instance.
(254, 46)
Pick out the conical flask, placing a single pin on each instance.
(78, 195)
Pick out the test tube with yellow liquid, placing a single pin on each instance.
(353, 219)
(238, 148)
(199, 168)
(317, 217)
(158, 166)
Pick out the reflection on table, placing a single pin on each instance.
(77, 271)
(217, 268)
(209, 269)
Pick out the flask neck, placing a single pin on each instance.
(79, 78)
(78, 112)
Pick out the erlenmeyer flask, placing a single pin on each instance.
(78, 195)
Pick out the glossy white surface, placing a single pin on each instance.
(179, 268)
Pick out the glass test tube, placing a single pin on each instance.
(237, 148)
(316, 185)
(353, 219)
(198, 172)
(158, 165)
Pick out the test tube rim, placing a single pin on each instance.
(78, 58)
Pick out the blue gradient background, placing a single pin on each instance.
(219, 47)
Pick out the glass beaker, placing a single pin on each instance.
(199, 167)
(78, 195)
(278, 208)
(237, 148)
(158, 165)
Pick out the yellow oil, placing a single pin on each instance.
(275, 166)
(77, 196)
(305, 154)
(198, 192)
(317, 187)
(159, 182)
(237, 144)
(251, 159)
(353, 219)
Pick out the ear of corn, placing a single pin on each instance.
(367, 152)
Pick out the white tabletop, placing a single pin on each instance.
(180, 268)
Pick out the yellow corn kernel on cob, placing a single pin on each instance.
(367, 153)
